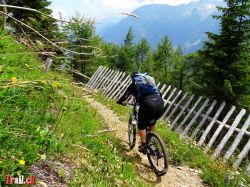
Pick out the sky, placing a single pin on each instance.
(102, 10)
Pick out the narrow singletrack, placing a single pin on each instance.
(176, 176)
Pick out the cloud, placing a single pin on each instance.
(104, 9)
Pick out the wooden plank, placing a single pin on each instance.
(205, 117)
(217, 122)
(189, 113)
(162, 88)
(100, 73)
(177, 106)
(115, 80)
(125, 81)
(123, 89)
(98, 78)
(119, 87)
(111, 82)
(165, 93)
(170, 96)
(93, 76)
(181, 112)
(218, 130)
(237, 139)
(107, 80)
(242, 155)
(195, 117)
(229, 133)
(209, 127)
(116, 84)
(104, 78)
(172, 103)
(106, 89)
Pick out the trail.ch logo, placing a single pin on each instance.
(20, 180)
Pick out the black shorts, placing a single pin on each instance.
(151, 109)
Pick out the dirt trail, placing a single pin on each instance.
(175, 177)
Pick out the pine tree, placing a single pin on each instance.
(141, 52)
(179, 70)
(81, 38)
(47, 26)
(227, 54)
(163, 58)
(129, 37)
(126, 56)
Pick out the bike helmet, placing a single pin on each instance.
(134, 73)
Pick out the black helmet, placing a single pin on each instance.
(134, 73)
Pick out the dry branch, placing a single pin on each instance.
(52, 43)
(33, 10)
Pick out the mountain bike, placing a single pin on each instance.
(155, 147)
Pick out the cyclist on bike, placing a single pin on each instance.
(151, 104)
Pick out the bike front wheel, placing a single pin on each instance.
(131, 133)
(157, 154)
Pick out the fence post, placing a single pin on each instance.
(195, 117)
(237, 139)
(209, 127)
(177, 106)
(242, 154)
(120, 87)
(218, 130)
(116, 85)
(189, 113)
(172, 103)
(202, 122)
(93, 76)
(105, 74)
(97, 78)
(229, 133)
(183, 109)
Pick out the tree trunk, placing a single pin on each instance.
(4, 15)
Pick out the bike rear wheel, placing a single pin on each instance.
(131, 133)
(157, 154)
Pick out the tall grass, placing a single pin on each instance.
(43, 117)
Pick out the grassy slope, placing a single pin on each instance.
(43, 117)
(183, 152)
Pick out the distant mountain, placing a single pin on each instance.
(185, 24)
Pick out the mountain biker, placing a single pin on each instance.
(151, 105)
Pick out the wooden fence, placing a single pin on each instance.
(222, 129)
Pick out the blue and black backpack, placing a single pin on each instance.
(145, 84)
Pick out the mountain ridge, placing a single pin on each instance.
(185, 24)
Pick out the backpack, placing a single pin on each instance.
(145, 84)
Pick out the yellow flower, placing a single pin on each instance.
(13, 79)
(22, 162)
(43, 157)
(56, 84)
